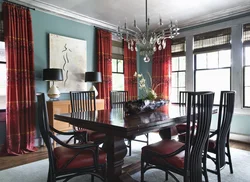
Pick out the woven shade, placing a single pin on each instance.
(178, 47)
(212, 41)
(246, 34)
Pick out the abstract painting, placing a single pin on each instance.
(70, 55)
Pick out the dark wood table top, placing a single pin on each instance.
(116, 122)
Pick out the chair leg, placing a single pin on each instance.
(166, 175)
(92, 178)
(142, 170)
(229, 158)
(147, 136)
(204, 162)
(218, 168)
(130, 146)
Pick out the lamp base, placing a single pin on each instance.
(94, 89)
(53, 93)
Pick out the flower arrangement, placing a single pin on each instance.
(148, 91)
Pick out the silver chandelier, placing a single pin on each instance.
(148, 41)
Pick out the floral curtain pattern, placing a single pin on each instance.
(161, 70)
(129, 69)
(104, 65)
(20, 111)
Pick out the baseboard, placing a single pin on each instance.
(240, 138)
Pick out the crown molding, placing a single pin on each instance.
(192, 22)
(230, 13)
(65, 13)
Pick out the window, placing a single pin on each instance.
(246, 76)
(212, 56)
(117, 66)
(178, 68)
(178, 77)
(117, 74)
(3, 81)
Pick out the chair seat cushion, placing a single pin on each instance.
(182, 128)
(84, 159)
(211, 142)
(94, 135)
(150, 152)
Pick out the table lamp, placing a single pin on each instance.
(53, 74)
(94, 77)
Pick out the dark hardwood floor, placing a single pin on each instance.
(12, 161)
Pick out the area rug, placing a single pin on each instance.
(37, 171)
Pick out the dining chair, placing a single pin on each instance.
(85, 101)
(184, 159)
(219, 138)
(118, 100)
(68, 161)
(183, 95)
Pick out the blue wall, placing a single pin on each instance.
(43, 24)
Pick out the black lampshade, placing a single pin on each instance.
(52, 74)
(93, 77)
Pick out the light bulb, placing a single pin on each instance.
(146, 59)
(158, 41)
(144, 41)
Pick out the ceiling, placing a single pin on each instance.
(110, 13)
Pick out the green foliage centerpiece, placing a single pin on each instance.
(149, 100)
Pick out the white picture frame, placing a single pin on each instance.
(70, 55)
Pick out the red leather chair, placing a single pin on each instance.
(183, 158)
(85, 101)
(68, 161)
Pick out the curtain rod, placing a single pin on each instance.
(23, 6)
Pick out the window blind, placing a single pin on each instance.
(246, 34)
(178, 47)
(212, 41)
(117, 50)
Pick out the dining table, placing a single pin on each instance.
(119, 125)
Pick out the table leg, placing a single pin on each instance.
(116, 151)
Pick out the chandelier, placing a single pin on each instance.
(148, 41)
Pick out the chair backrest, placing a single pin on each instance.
(82, 101)
(183, 96)
(198, 126)
(226, 110)
(118, 98)
(43, 123)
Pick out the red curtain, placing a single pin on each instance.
(161, 70)
(104, 65)
(20, 118)
(129, 70)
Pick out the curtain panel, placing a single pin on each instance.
(129, 69)
(161, 70)
(104, 65)
(20, 109)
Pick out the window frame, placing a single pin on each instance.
(244, 68)
(195, 68)
(179, 71)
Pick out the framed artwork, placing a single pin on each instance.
(70, 55)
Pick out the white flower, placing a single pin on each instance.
(139, 75)
(135, 74)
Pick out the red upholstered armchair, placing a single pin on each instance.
(183, 158)
(68, 161)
